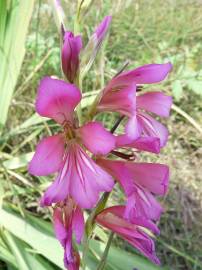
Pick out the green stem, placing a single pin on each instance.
(85, 251)
(103, 260)
(78, 82)
(90, 225)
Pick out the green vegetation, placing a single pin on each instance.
(142, 32)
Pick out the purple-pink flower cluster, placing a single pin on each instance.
(88, 159)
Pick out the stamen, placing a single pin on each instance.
(130, 157)
(68, 130)
(139, 88)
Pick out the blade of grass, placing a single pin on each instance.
(15, 18)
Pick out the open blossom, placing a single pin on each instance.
(135, 231)
(77, 174)
(68, 220)
(139, 181)
(120, 96)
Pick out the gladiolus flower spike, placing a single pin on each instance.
(84, 157)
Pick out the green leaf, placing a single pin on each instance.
(24, 257)
(195, 86)
(36, 238)
(177, 90)
(18, 162)
(33, 120)
(14, 22)
(39, 235)
(120, 259)
(6, 255)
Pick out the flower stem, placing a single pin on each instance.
(117, 124)
(103, 260)
(90, 223)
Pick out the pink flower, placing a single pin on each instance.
(68, 219)
(139, 181)
(72, 46)
(94, 44)
(78, 175)
(102, 29)
(141, 123)
(120, 96)
(135, 231)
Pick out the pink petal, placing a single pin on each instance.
(119, 100)
(68, 252)
(59, 189)
(87, 179)
(94, 44)
(48, 156)
(57, 99)
(153, 128)
(141, 203)
(78, 224)
(146, 224)
(113, 219)
(96, 138)
(102, 29)
(155, 102)
(146, 74)
(60, 230)
(149, 144)
(57, 192)
(70, 55)
(79, 177)
(133, 129)
(153, 176)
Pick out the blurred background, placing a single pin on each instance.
(142, 32)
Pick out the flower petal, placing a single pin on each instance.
(80, 177)
(57, 99)
(96, 138)
(102, 29)
(60, 230)
(133, 129)
(87, 179)
(153, 176)
(153, 128)
(141, 203)
(93, 46)
(78, 224)
(48, 156)
(146, 74)
(149, 144)
(119, 100)
(59, 189)
(113, 219)
(70, 55)
(155, 102)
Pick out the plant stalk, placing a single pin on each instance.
(103, 260)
